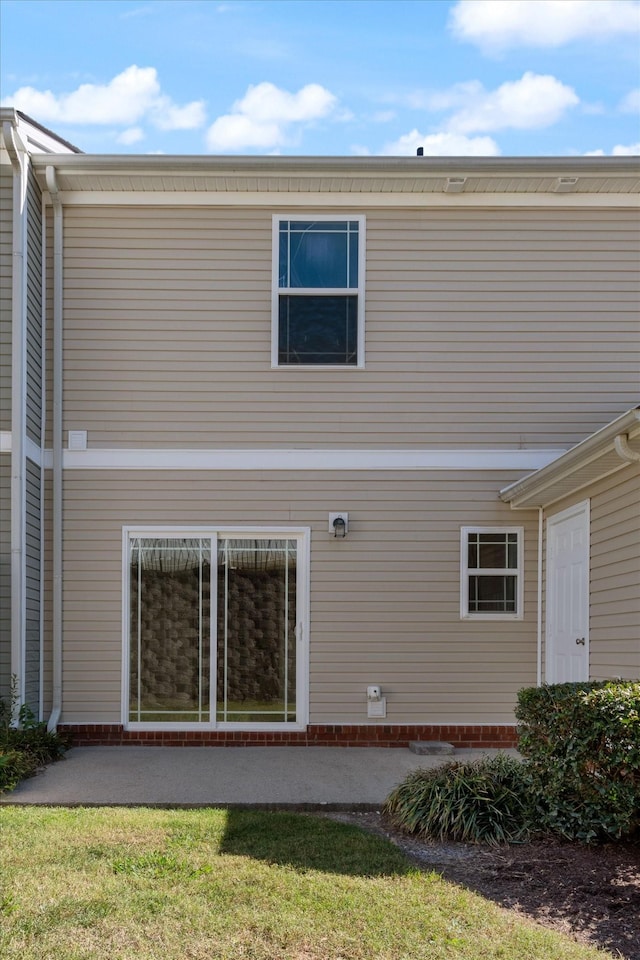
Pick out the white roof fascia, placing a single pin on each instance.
(610, 181)
(537, 490)
(36, 138)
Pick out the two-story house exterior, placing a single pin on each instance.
(318, 425)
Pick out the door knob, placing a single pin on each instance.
(580, 640)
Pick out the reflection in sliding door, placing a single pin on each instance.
(170, 627)
(256, 631)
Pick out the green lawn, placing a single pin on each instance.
(138, 884)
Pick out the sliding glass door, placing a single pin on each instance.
(256, 650)
(213, 629)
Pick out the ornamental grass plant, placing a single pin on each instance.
(483, 801)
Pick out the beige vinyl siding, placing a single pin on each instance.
(6, 260)
(385, 602)
(33, 553)
(614, 635)
(5, 574)
(34, 311)
(615, 576)
(496, 328)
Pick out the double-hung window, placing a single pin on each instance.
(318, 291)
(491, 562)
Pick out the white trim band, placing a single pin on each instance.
(304, 459)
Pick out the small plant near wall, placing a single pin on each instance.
(25, 742)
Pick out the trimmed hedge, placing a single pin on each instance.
(582, 744)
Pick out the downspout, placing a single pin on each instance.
(43, 430)
(56, 703)
(16, 152)
(624, 451)
(539, 625)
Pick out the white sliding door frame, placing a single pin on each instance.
(302, 535)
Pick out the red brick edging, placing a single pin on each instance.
(338, 735)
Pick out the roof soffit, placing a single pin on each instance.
(335, 175)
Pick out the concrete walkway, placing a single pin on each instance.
(306, 777)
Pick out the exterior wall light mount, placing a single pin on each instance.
(339, 525)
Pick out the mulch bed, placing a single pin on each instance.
(591, 894)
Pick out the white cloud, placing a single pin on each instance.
(167, 116)
(263, 118)
(266, 102)
(131, 135)
(530, 103)
(236, 132)
(497, 25)
(630, 103)
(131, 96)
(632, 150)
(442, 145)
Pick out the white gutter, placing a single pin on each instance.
(56, 706)
(15, 149)
(624, 451)
(533, 491)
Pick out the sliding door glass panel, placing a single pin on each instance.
(170, 630)
(256, 631)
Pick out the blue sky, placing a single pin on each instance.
(330, 77)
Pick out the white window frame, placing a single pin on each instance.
(276, 290)
(303, 537)
(465, 571)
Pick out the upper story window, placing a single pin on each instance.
(318, 291)
(491, 582)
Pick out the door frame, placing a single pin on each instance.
(582, 508)
(257, 531)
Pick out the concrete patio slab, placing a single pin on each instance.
(305, 777)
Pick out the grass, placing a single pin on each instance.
(119, 884)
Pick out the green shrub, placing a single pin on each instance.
(15, 765)
(483, 801)
(582, 743)
(26, 744)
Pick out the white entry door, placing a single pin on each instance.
(567, 620)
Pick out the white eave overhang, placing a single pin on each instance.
(347, 181)
(597, 457)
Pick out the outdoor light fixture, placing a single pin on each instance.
(339, 525)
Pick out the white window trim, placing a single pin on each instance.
(464, 574)
(275, 289)
(303, 536)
